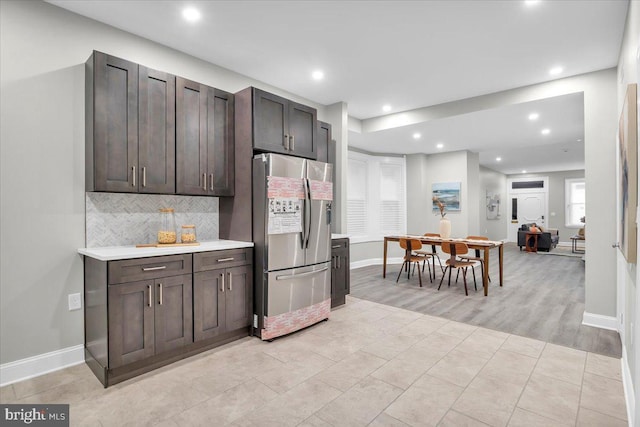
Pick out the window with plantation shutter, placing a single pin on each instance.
(376, 197)
(574, 195)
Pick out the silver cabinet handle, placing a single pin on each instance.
(133, 176)
(162, 267)
(204, 181)
(150, 288)
(222, 287)
(286, 142)
(160, 287)
(144, 176)
(293, 142)
(225, 259)
(339, 261)
(230, 282)
(211, 181)
(336, 247)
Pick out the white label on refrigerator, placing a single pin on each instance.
(285, 215)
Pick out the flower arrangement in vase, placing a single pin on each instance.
(445, 224)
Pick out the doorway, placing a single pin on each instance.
(528, 203)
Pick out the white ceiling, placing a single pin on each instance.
(407, 54)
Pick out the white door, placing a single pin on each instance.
(525, 209)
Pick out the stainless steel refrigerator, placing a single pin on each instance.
(292, 200)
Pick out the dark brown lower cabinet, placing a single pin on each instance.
(340, 273)
(144, 313)
(148, 317)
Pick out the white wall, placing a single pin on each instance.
(43, 50)
(628, 275)
(495, 182)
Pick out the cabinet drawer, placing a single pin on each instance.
(204, 261)
(337, 244)
(131, 270)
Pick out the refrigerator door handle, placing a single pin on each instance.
(307, 194)
(295, 276)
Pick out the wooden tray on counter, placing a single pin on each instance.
(165, 245)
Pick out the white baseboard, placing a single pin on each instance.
(374, 261)
(627, 382)
(41, 364)
(600, 321)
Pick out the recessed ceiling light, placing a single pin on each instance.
(439, 145)
(498, 159)
(386, 108)
(524, 171)
(555, 70)
(534, 116)
(191, 14)
(416, 135)
(545, 131)
(317, 75)
(531, 2)
(579, 140)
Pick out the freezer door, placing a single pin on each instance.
(282, 250)
(320, 186)
(296, 288)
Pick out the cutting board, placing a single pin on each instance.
(165, 245)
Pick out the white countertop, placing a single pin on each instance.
(339, 236)
(112, 253)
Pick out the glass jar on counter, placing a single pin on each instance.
(167, 232)
(188, 233)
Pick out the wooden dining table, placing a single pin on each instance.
(479, 245)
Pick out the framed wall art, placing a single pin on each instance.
(628, 175)
(447, 193)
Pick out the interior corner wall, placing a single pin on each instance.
(473, 194)
(418, 194)
(495, 182)
(337, 115)
(42, 164)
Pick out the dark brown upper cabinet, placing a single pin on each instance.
(324, 141)
(283, 126)
(130, 127)
(204, 140)
(111, 124)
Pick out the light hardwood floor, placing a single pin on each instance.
(542, 298)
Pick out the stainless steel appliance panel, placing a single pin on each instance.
(282, 250)
(319, 227)
(290, 290)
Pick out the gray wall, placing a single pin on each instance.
(418, 195)
(42, 214)
(556, 200)
(495, 182)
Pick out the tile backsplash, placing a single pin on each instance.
(116, 219)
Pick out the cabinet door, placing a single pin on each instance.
(115, 115)
(340, 272)
(303, 136)
(173, 312)
(131, 332)
(208, 304)
(191, 137)
(157, 129)
(221, 143)
(324, 139)
(270, 122)
(238, 297)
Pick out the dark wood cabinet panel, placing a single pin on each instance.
(303, 124)
(283, 126)
(131, 330)
(324, 139)
(173, 313)
(157, 145)
(221, 142)
(208, 304)
(112, 137)
(340, 271)
(238, 299)
(191, 137)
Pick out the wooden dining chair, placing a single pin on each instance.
(409, 246)
(455, 249)
(432, 254)
(476, 258)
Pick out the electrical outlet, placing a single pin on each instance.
(75, 302)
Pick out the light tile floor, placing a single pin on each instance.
(370, 364)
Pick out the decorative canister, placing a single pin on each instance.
(167, 231)
(188, 233)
